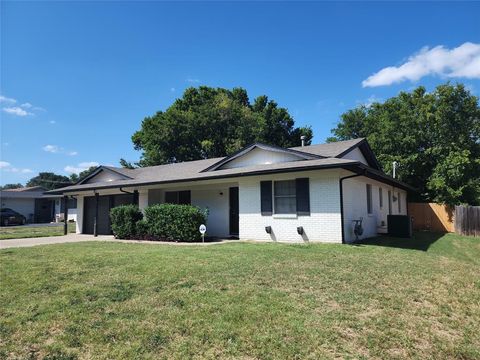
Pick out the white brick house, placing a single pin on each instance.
(263, 192)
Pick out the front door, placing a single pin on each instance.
(234, 219)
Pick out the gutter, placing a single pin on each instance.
(212, 177)
(341, 200)
(134, 193)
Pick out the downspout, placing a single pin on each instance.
(341, 201)
(135, 195)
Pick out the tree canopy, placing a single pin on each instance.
(435, 137)
(11, 186)
(211, 122)
(49, 181)
(83, 174)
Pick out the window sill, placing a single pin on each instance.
(284, 216)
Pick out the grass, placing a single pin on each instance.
(20, 232)
(409, 299)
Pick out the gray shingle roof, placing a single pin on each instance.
(330, 149)
(192, 170)
(195, 170)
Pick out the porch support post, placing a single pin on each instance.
(135, 197)
(95, 222)
(65, 215)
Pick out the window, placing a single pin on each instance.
(399, 203)
(380, 197)
(369, 198)
(178, 197)
(72, 203)
(285, 199)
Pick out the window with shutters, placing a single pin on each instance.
(380, 197)
(369, 198)
(285, 199)
(178, 197)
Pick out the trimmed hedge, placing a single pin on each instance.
(124, 220)
(165, 222)
(170, 222)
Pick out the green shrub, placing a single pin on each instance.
(124, 219)
(170, 222)
(142, 229)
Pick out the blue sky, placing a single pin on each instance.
(78, 78)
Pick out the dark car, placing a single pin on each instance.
(11, 217)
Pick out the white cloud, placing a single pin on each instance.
(172, 89)
(369, 102)
(24, 109)
(192, 80)
(55, 149)
(18, 111)
(80, 167)
(462, 61)
(52, 122)
(51, 148)
(7, 167)
(4, 99)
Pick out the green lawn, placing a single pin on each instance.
(409, 299)
(19, 232)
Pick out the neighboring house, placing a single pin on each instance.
(261, 192)
(35, 205)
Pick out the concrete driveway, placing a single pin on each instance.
(27, 242)
(13, 243)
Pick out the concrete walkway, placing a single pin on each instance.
(27, 242)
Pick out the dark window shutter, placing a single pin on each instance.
(303, 196)
(184, 197)
(266, 197)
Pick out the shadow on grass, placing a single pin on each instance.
(419, 241)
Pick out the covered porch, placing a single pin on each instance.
(219, 198)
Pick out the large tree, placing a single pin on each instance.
(49, 181)
(209, 122)
(11, 186)
(83, 174)
(435, 137)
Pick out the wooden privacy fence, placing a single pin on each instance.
(467, 220)
(432, 217)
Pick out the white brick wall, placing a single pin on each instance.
(323, 224)
(355, 206)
